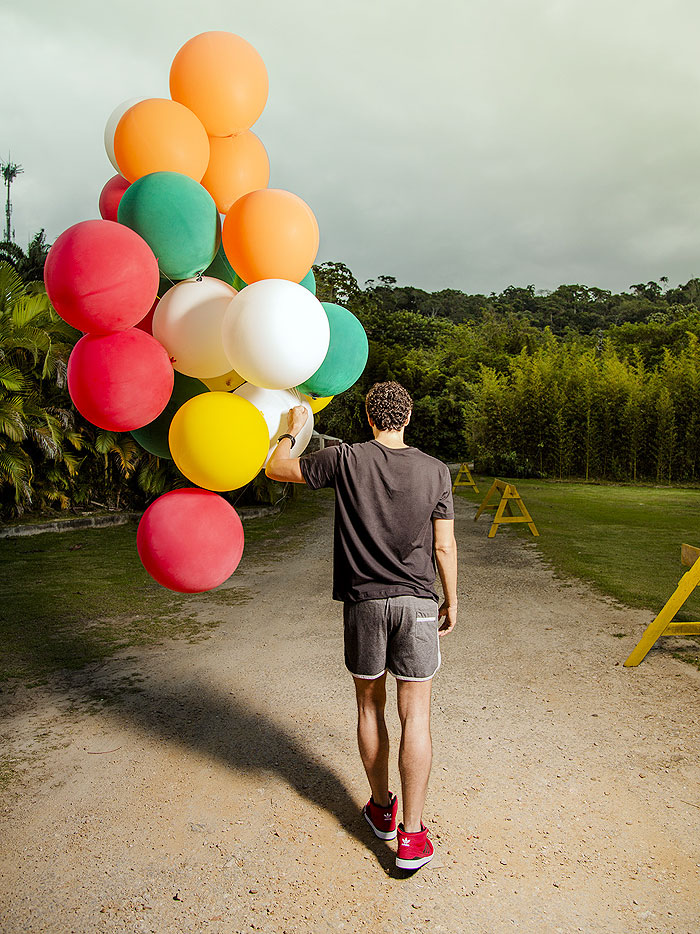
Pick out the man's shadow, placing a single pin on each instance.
(226, 730)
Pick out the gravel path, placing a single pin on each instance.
(216, 786)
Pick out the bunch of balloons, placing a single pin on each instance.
(199, 335)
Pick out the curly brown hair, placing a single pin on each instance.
(389, 405)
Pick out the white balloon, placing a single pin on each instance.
(276, 333)
(111, 128)
(187, 322)
(274, 406)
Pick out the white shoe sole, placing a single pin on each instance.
(391, 835)
(413, 863)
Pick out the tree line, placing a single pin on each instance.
(578, 382)
(611, 394)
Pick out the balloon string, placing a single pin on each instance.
(241, 493)
(164, 276)
(285, 500)
(281, 499)
(283, 496)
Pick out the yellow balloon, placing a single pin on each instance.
(220, 445)
(226, 383)
(316, 404)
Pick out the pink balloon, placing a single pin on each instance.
(120, 381)
(190, 540)
(111, 195)
(101, 276)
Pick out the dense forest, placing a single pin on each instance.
(577, 382)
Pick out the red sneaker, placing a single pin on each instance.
(382, 820)
(415, 850)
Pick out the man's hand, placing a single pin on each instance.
(282, 465)
(450, 614)
(296, 419)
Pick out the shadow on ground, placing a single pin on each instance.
(226, 730)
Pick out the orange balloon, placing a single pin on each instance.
(159, 135)
(237, 164)
(270, 234)
(222, 79)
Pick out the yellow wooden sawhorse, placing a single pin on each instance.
(504, 510)
(664, 624)
(464, 478)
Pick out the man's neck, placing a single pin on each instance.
(390, 439)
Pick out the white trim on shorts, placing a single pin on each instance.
(403, 677)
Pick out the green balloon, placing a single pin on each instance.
(221, 269)
(178, 220)
(309, 281)
(238, 283)
(153, 437)
(346, 357)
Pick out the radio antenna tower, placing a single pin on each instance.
(10, 171)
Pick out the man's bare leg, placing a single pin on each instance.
(372, 735)
(416, 750)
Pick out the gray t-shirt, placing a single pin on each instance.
(385, 501)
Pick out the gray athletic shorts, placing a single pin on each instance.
(394, 634)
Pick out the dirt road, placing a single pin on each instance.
(224, 794)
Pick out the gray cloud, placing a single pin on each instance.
(452, 144)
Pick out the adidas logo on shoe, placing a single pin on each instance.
(382, 820)
(415, 850)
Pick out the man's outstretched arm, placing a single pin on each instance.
(282, 465)
(445, 546)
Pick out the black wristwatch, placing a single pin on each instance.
(291, 438)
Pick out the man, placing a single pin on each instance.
(393, 517)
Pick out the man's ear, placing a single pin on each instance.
(371, 423)
(408, 419)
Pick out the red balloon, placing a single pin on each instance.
(111, 195)
(190, 540)
(120, 381)
(101, 276)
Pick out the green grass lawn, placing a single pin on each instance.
(71, 598)
(625, 540)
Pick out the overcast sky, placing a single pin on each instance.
(450, 143)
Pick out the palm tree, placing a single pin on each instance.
(121, 456)
(29, 264)
(37, 424)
